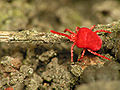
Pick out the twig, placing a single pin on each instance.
(34, 36)
(30, 36)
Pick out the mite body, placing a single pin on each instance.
(84, 38)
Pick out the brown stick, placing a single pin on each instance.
(30, 36)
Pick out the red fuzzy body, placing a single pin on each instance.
(84, 38)
(88, 39)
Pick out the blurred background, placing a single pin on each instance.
(56, 14)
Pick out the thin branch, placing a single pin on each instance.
(31, 36)
(34, 36)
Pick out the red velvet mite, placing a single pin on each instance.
(84, 38)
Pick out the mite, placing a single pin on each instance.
(84, 38)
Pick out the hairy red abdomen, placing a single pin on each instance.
(86, 38)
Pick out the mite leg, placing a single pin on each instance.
(69, 31)
(60, 34)
(98, 54)
(77, 29)
(92, 27)
(102, 31)
(82, 55)
(72, 52)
